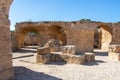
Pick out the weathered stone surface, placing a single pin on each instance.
(89, 57)
(43, 50)
(31, 38)
(54, 45)
(116, 33)
(114, 56)
(45, 59)
(80, 34)
(76, 59)
(13, 42)
(114, 48)
(114, 52)
(68, 49)
(59, 57)
(6, 71)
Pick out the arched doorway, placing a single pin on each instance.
(102, 37)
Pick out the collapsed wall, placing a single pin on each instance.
(6, 71)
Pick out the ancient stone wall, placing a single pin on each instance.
(13, 41)
(80, 34)
(116, 33)
(6, 71)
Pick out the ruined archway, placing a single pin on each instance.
(45, 32)
(102, 37)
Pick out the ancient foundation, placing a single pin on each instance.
(67, 55)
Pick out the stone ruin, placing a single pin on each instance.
(6, 70)
(80, 34)
(67, 55)
(85, 35)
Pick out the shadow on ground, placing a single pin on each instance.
(100, 52)
(96, 62)
(22, 73)
(25, 51)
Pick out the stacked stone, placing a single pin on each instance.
(114, 52)
(43, 55)
(69, 51)
(67, 55)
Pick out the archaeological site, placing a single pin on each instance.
(58, 50)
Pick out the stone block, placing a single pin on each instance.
(54, 45)
(114, 56)
(114, 48)
(76, 59)
(43, 50)
(68, 49)
(46, 58)
(89, 57)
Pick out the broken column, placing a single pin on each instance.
(114, 52)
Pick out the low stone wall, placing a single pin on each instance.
(68, 55)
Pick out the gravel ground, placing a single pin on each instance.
(101, 69)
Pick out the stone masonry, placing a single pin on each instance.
(6, 70)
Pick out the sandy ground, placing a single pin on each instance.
(101, 69)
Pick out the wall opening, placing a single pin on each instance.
(102, 37)
(31, 39)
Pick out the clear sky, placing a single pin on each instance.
(64, 10)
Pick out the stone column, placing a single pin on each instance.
(6, 71)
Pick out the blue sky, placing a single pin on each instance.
(64, 10)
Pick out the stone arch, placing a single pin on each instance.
(45, 32)
(103, 36)
(57, 32)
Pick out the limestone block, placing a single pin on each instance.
(59, 57)
(68, 49)
(43, 50)
(114, 56)
(46, 58)
(89, 57)
(114, 48)
(54, 45)
(76, 59)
